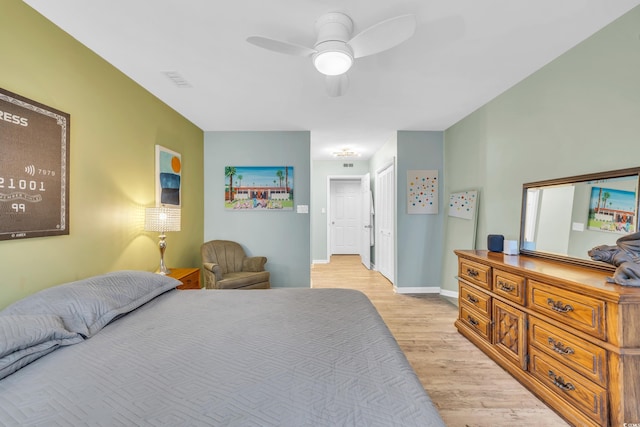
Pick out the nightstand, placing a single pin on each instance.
(190, 277)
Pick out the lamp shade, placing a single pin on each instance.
(162, 219)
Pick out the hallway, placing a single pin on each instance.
(468, 388)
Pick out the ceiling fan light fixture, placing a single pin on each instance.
(346, 153)
(333, 58)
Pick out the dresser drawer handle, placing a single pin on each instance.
(559, 348)
(505, 286)
(559, 382)
(472, 299)
(557, 306)
(473, 321)
(472, 273)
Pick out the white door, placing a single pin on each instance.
(345, 216)
(385, 219)
(366, 231)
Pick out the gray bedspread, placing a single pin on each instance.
(278, 357)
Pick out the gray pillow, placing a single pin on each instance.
(88, 305)
(25, 338)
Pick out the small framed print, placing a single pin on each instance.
(168, 177)
(422, 192)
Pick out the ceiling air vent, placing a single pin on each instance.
(347, 165)
(177, 79)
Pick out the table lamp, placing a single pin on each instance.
(162, 219)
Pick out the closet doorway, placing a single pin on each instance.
(385, 203)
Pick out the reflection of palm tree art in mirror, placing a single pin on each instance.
(612, 210)
(258, 188)
(564, 218)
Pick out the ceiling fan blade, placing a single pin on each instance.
(383, 35)
(280, 47)
(337, 85)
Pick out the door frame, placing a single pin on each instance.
(367, 232)
(328, 219)
(376, 196)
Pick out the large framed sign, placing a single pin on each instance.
(34, 169)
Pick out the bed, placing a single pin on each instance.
(127, 348)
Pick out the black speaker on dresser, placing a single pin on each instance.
(495, 242)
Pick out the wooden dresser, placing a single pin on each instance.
(560, 329)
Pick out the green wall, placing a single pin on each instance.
(282, 236)
(578, 114)
(115, 125)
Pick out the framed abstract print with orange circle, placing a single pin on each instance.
(168, 177)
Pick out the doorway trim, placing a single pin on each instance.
(391, 163)
(328, 217)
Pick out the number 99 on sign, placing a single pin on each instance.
(19, 207)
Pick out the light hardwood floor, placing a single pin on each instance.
(468, 388)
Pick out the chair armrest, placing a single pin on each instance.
(254, 263)
(214, 268)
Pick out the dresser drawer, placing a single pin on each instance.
(475, 321)
(478, 274)
(509, 286)
(579, 311)
(190, 281)
(582, 356)
(478, 299)
(588, 397)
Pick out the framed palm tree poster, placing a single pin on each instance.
(258, 188)
(612, 210)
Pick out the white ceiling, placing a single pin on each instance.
(463, 54)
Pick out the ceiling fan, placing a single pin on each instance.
(335, 50)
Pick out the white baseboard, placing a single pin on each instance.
(320, 261)
(416, 290)
(426, 290)
(447, 293)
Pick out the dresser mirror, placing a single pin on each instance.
(564, 218)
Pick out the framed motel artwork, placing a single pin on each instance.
(34, 169)
(612, 210)
(258, 188)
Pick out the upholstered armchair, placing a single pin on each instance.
(226, 266)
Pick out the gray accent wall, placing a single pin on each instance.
(282, 236)
(579, 114)
(419, 237)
